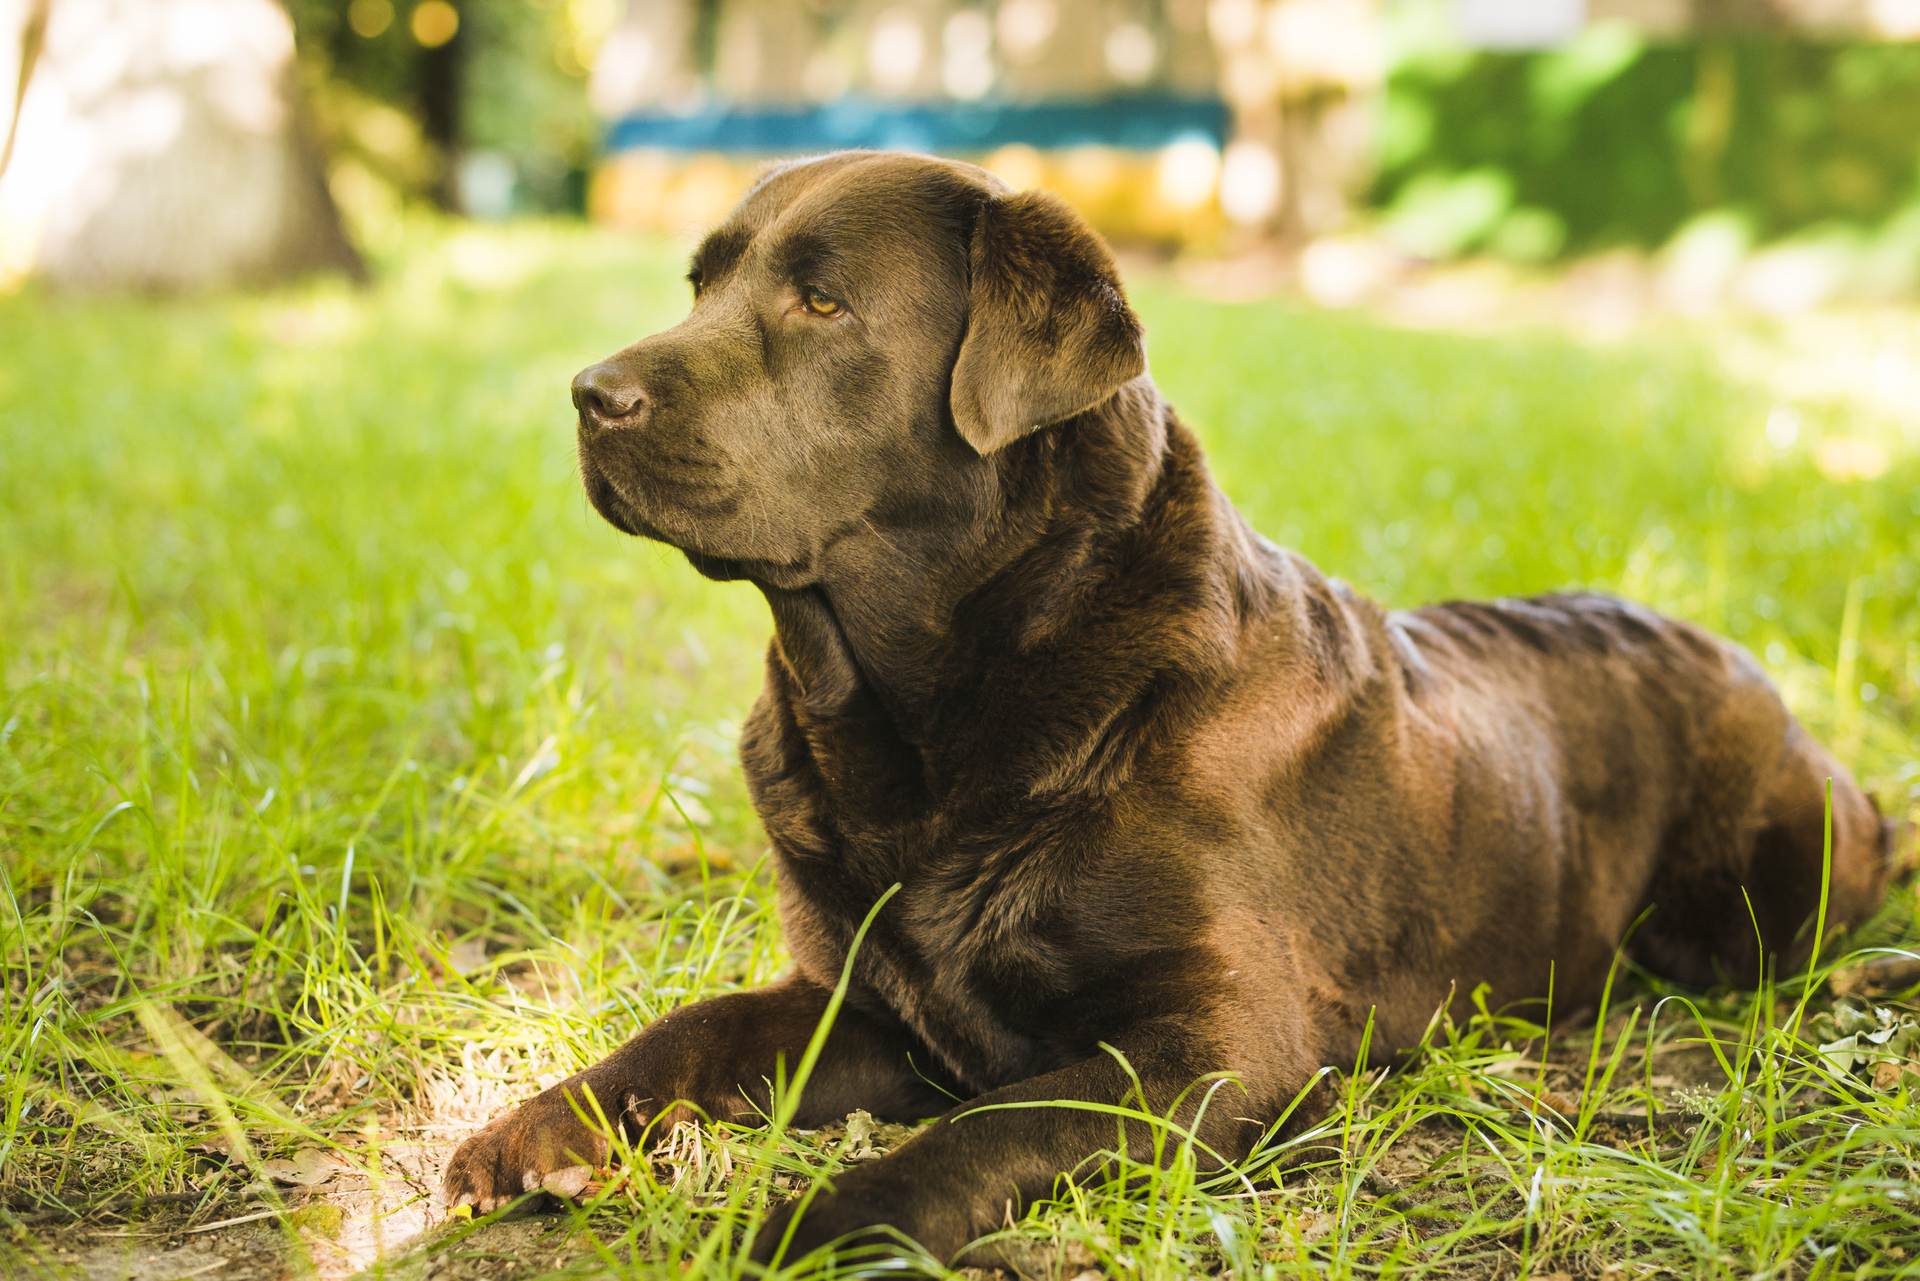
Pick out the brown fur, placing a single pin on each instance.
(1146, 780)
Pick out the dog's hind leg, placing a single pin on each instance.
(1740, 876)
(1789, 852)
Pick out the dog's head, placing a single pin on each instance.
(868, 331)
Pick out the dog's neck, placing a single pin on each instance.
(1093, 566)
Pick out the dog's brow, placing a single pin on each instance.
(717, 255)
(810, 257)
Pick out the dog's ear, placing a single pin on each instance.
(1048, 331)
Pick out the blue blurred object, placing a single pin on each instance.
(1136, 122)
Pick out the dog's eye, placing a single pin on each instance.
(820, 304)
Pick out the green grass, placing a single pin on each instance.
(335, 727)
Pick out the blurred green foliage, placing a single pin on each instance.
(510, 82)
(1610, 140)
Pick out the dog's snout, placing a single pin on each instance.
(608, 396)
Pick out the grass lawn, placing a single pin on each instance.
(356, 780)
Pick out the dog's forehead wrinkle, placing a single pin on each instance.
(840, 251)
(807, 254)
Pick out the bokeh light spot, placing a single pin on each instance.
(369, 18)
(434, 23)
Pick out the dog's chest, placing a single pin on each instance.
(964, 957)
(1008, 936)
(1018, 910)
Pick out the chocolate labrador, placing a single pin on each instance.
(1151, 786)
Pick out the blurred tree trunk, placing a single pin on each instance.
(160, 147)
(1303, 78)
(33, 34)
(441, 72)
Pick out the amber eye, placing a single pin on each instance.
(820, 304)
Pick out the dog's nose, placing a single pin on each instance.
(608, 396)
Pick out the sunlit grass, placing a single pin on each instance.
(337, 730)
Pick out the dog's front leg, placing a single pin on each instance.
(985, 1161)
(713, 1057)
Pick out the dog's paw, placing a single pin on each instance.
(541, 1146)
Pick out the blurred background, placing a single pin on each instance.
(1763, 153)
(332, 713)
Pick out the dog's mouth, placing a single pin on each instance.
(607, 501)
(623, 514)
(638, 496)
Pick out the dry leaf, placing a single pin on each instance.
(221, 1144)
(1886, 1075)
(860, 1136)
(304, 1169)
(467, 955)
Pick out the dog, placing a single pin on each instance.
(1152, 788)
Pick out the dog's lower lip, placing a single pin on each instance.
(711, 564)
(613, 506)
(624, 514)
